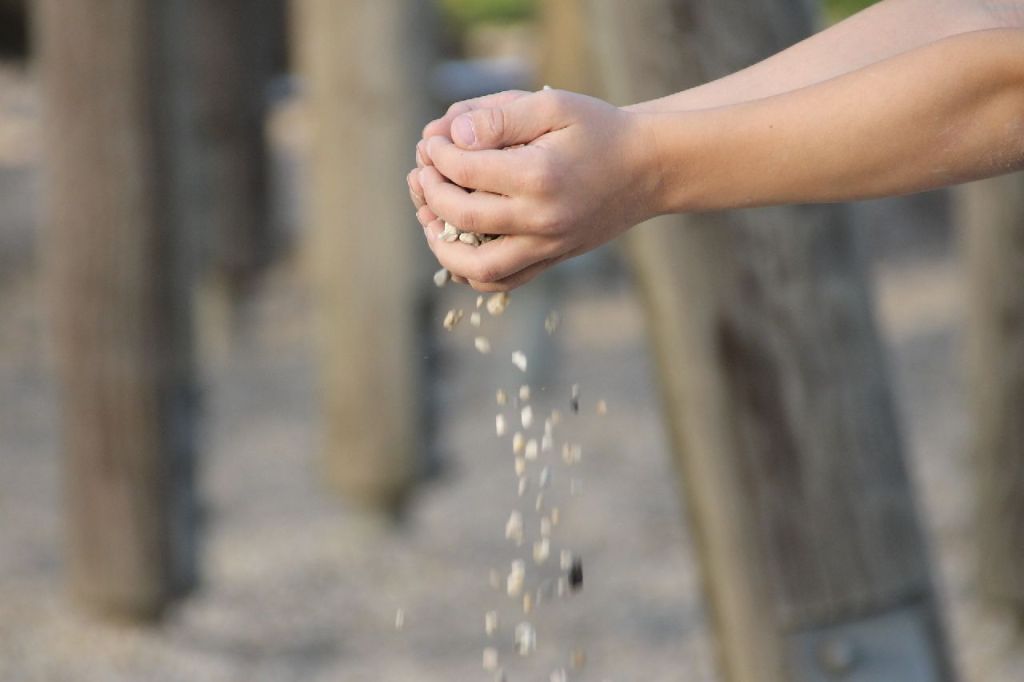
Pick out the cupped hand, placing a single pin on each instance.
(442, 126)
(554, 173)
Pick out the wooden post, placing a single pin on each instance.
(565, 49)
(364, 64)
(776, 391)
(13, 29)
(118, 269)
(992, 218)
(237, 44)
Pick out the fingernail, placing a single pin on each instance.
(463, 132)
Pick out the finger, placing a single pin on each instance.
(457, 255)
(425, 216)
(415, 190)
(516, 280)
(490, 262)
(422, 158)
(526, 274)
(480, 212)
(519, 121)
(496, 171)
(443, 125)
(432, 231)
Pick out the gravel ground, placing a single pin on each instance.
(298, 587)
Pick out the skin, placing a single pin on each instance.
(878, 105)
(880, 32)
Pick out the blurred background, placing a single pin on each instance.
(236, 441)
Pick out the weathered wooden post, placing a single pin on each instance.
(776, 391)
(992, 220)
(364, 65)
(118, 268)
(238, 51)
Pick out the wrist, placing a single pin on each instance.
(642, 166)
(675, 170)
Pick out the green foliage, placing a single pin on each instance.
(465, 13)
(837, 10)
(468, 12)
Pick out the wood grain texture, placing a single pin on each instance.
(774, 379)
(119, 291)
(365, 68)
(992, 220)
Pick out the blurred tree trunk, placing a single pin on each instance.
(992, 217)
(365, 68)
(119, 273)
(776, 392)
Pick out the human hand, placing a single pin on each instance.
(442, 126)
(581, 177)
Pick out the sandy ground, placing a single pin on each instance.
(298, 587)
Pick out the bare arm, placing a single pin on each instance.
(879, 32)
(945, 113)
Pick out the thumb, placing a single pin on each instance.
(518, 122)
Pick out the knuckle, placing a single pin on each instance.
(542, 178)
(549, 221)
(460, 172)
(468, 220)
(495, 122)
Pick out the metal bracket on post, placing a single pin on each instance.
(892, 647)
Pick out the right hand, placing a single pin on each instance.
(555, 173)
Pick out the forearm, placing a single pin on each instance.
(945, 113)
(873, 35)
